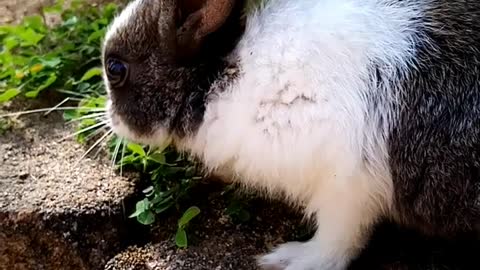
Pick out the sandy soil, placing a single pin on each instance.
(39, 172)
(11, 11)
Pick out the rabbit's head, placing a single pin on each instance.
(160, 58)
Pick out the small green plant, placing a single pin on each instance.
(152, 204)
(181, 235)
(237, 210)
(237, 207)
(143, 159)
(171, 176)
(156, 200)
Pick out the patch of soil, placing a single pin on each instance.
(41, 172)
(216, 241)
(56, 213)
(12, 11)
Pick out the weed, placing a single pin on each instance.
(237, 207)
(237, 210)
(171, 175)
(181, 235)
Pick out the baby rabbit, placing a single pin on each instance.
(357, 110)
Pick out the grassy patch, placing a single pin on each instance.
(66, 57)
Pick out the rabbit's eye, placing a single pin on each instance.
(116, 71)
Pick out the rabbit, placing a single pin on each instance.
(355, 111)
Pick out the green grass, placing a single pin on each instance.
(66, 57)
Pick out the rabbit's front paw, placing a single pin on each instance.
(299, 256)
(281, 257)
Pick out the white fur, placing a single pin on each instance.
(121, 21)
(297, 120)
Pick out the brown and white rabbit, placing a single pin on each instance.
(358, 110)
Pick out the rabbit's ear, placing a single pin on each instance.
(197, 19)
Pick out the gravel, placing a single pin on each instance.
(39, 172)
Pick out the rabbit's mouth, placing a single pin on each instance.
(156, 136)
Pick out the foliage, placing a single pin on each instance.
(236, 209)
(237, 206)
(171, 175)
(35, 57)
(181, 235)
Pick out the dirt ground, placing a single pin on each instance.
(13, 10)
(42, 172)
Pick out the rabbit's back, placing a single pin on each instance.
(434, 146)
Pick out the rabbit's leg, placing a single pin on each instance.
(344, 216)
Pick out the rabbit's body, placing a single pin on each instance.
(434, 144)
(357, 110)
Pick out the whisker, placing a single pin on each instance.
(92, 115)
(94, 145)
(100, 148)
(95, 133)
(58, 105)
(103, 123)
(71, 93)
(123, 155)
(89, 109)
(114, 155)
